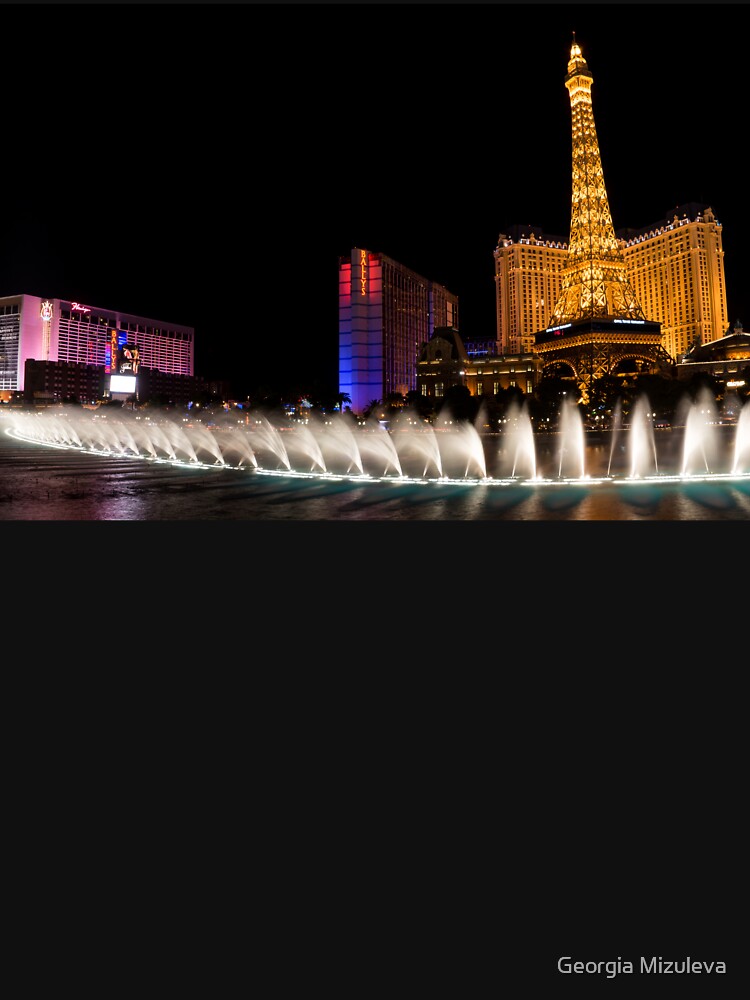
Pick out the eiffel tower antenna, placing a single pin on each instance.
(595, 282)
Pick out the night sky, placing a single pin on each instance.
(208, 164)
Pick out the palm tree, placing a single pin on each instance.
(343, 399)
(371, 407)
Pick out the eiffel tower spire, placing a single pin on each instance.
(595, 283)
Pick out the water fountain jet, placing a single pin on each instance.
(741, 458)
(572, 442)
(699, 451)
(518, 458)
(413, 450)
(643, 461)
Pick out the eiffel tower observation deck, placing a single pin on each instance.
(597, 321)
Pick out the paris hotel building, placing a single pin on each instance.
(676, 269)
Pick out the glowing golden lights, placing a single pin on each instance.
(363, 278)
(595, 282)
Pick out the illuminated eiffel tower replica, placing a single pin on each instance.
(597, 321)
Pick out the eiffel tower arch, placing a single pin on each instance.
(597, 321)
(592, 348)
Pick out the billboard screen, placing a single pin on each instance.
(122, 383)
(128, 360)
(120, 357)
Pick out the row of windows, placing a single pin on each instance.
(551, 260)
(439, 388)
(68, 317)
(85, 317)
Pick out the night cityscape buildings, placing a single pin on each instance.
(675, 267)
(60, 330)
(580, 307)
(444, 362)
(591, 315)
(386, 313)
(675, 270)
(53, 349)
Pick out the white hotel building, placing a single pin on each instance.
(63, 331)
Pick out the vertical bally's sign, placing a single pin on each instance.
(363, 278)
(110, 353)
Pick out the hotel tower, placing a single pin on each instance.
(386, 314)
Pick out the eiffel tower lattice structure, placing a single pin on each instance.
(597, 321)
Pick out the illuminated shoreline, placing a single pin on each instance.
(658, 479)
